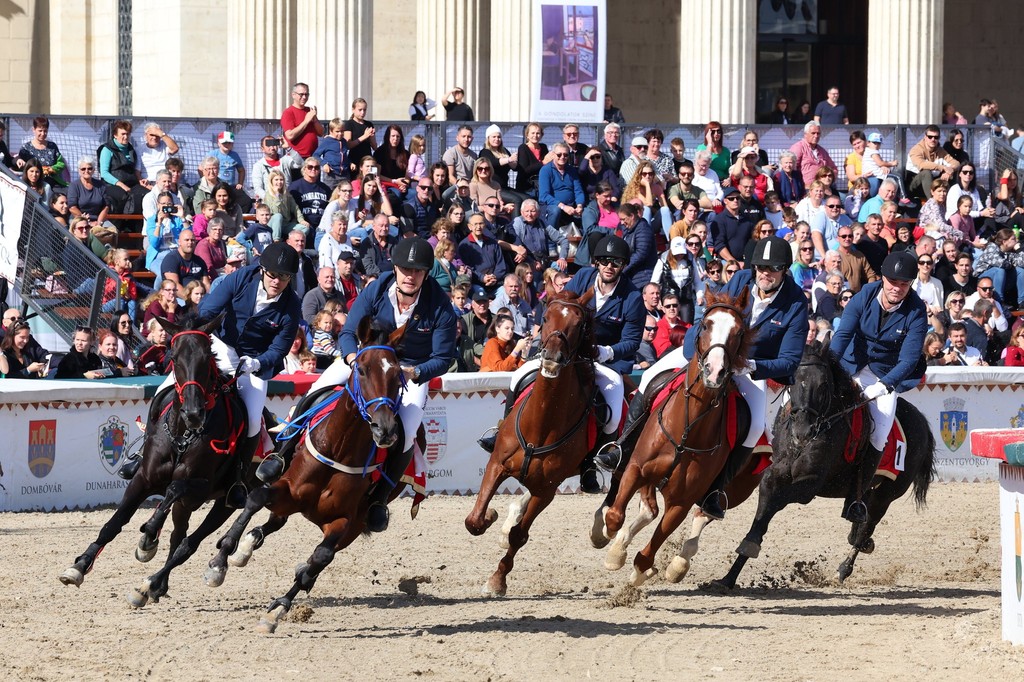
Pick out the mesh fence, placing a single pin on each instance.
(1005, 157)
(63, 279)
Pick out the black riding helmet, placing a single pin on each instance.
(280, 257)
(772, 252)
(413, 253)
(611, 247)
(900, 265)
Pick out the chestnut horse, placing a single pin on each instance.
(187, 457)
(329, 477)
(684, 445)
(544, 438)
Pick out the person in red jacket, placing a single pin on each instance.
(668, 322)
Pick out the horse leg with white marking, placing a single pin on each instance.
(616, 557)
(228, 544)
(515, 515)
(643, 562)
(518, 536)
(680, 564)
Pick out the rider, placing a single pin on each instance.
(778, 312)
(261, 316)
(405, 296)
(879, 343)
(619, 319)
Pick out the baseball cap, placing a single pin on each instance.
(875, 137)
(346, 253)
(479, 295)
(678, 246)
(729, 191)
(226, 136)
(747, 151)
(639, 141)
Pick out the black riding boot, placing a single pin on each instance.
(589, 482)
(618, 452)
(857, 511)
(377, 515)
(490, 437)
(737, 458)
(272, 468)
(237, 493)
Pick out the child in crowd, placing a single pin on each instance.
(207, 210)
(307, 363)
(788, 229)
(773, 209)
(678, 153)
(964, 231)
(417, 165)
(333, 155)
(325, 340)
(258, 235)
(231, 170)
(460, 294)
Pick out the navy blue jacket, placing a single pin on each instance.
(781, 331)
(429, 340)
(643, 253)
(730, 232)
(267, 336)
(620, 321)
(892, 350)
(482, 257)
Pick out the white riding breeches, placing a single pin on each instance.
(609, 383)
(410, 409)
(753, 392)
(882, 410)
(251, 388)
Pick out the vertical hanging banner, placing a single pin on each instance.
(570, 67)
(12, 206)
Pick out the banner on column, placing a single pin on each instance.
(12, 205)
(570, 67)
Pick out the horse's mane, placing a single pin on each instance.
(710, 297)
(846, 391)
(379, 333)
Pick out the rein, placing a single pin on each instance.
(822, 424)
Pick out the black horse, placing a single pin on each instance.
(188, 457)
(811, 437)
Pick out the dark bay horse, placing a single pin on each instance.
(188, 457)
(811, 437)
(685, 443)
(329, 477)
(544, 438)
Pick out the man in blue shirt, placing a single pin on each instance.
(879, 343)
(731, 229)
(559, 189)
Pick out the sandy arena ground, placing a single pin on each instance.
(924, 606)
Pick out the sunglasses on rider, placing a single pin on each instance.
(770, 268)
(610, 262)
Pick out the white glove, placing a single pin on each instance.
(749, 368)
(247, 365)
(875, 390)
(605, 353)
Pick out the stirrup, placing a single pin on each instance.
(857, 512)
(711, 508)
(377, 517)
(589, 482)
(236, 496)
(130, 467)
(488, 440)
(608, 456)
(271, 468)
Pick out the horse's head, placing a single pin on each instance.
(567, 332)
(821, 388)
(724, 338)
(377, 380)
(194, 368)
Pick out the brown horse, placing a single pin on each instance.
(329, 477)
(682, 450)
(544, 438)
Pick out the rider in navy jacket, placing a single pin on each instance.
(619, 323)
(881, 349)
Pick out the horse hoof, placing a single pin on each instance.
(597, 536)
(72, 576)
(146, 552)
(240, 557)
(503, 542)
(638, 578)
(138, 598)
(868, 547)
(214, 577)
(490, 517)
(491, 589)
(268, 622)
(616, 557)
(845, 571)
(749, 549)
(677, 569)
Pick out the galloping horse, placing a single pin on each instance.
(812, 444)
(189, 457)
(329, 477)
(544, 438)
(684, 445)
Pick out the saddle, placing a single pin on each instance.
(669, 382)
(894, 454)
(596, 419)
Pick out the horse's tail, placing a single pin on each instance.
(926, 469)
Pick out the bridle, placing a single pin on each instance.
(186, 438)
(822, 423)
(572, 354)
(702, 356)
(355, 388)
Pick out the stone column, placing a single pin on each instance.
(260, 57)
(511, 38)
(334, 54)
(717, 55)
(905, 40)
(451, 53)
